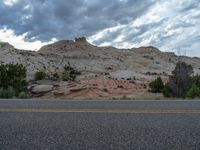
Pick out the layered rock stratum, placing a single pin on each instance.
(140, 64)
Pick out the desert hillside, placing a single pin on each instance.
(104, 70)
(92, 60)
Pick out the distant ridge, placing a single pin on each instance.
(92, 60)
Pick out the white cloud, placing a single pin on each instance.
(9, 2)
(168, 25)
(8, 35)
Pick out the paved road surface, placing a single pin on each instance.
(112, 125)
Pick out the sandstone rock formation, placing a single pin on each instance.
(107, 72)
(42, 89)
(139, 63)
(91, 88)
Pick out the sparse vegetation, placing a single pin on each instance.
(40, 75)
(148, 57)
(196, 80)
(167, 91)
(12, 80)
(107, 73)
(23, 95)
(194, 92)
(7, 93)
(54, 77)
(181, 83)
(131, 79)
(70, 73)
(151, 73)
(157, 85)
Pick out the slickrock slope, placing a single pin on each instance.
(93, 60)
(141, 64)
(93, 88)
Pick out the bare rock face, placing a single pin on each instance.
(138, 65)
(147, 50)
(91, 60)
(81, 41)
(42, 89)
(57, 47)
(6, 46)
(64, 46)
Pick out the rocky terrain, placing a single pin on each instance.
(105, 70)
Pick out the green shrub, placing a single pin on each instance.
(70, 73)
(7, 93)
(196, 80)
(157, 85)
(167, 92)
(193, 92)
(13, 75)
(54, 77)
(67, 78)
(107, 73)
(40, 75)
(23, 95)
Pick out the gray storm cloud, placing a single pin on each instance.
(61, 19)
(168, 25)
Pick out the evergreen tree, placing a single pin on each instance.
(157, 85)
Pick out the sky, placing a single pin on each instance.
(170, 25)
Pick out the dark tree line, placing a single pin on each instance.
(182, 83)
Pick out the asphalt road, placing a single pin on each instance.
(91, 125)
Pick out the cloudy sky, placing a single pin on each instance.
(167, 24)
